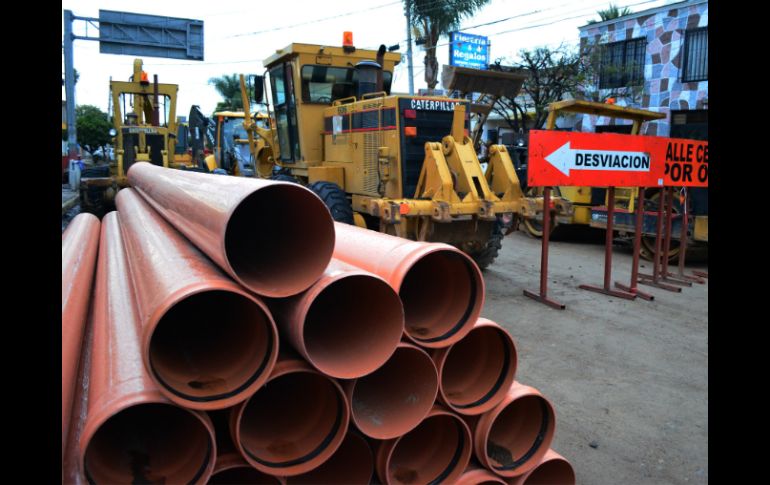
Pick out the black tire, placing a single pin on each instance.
(487, 255)
(282, 177)
(335, 199)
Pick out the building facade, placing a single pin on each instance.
(662, 54)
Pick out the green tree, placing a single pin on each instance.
(93, 127)
(612, 12)
(554, 74)
(229, 87)
(432, 19)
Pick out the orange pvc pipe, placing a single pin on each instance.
(206, 342)
(352, 463)
(79, 247)
(274, 238)
(436, 451)
(133, 433)
(513, 437)
(476, 372)
(71, 472)
(346, 325)
(474, 475)
(553, 468)
(230, 467)
(395, 398)
(441, 287)
(294, 423)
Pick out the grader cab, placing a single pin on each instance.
(399, 164)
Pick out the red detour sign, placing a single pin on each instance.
(590, 159)
(687, 163)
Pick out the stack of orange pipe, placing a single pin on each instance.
(238, 335)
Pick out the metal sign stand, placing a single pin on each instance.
(637, 243)
(655, 279)
(542, 297)
(668, 276)
(683, 242)
(608, 254)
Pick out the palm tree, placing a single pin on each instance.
(434, 18)
(229, 87)
(612, 12)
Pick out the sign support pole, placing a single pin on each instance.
(654, 280)
(608, 254)
(683, 241)
(637, 243)
(668, 276)
(542, 297)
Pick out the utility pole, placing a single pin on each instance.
(409, 48)
(69, 85)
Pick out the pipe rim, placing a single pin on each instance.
(132, 403)
(328, 445)
(307, 262)
(255, 380)
(541, 443)
(370, 431)
(389, 309)
(470, 313)
(507, 373)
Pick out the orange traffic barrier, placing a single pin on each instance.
(274, 238)
(133, 433)
(206, 342)
(79, 247)
(294, 423)
(346, 325)
(436, 451)
(476, 372)
(441, 287)
(512, 438)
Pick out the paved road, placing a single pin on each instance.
(630, 377)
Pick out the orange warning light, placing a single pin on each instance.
(410, 131)
(347, 39)
(403, 208)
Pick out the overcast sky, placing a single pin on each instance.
(239, 35)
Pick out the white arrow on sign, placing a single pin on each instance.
(566, 159)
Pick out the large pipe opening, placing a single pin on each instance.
(244, 475)
(279, 239)
(442, 295)
(520, 434)
(296, 420)
(395, 398)
(353, 462)
(437, 451)
(552, 471)
(212, 345)
(479, 370)
(353, 326)
(141, 444)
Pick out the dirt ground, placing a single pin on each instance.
(628, 379)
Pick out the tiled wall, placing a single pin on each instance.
(663, 90)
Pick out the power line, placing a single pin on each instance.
(313, 21)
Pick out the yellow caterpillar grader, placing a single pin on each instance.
(399, 164)
(144, 116)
